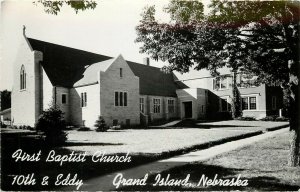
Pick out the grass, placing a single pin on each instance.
(263, 164)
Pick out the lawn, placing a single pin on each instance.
(155, 141)
(263, 164)
(144, 145)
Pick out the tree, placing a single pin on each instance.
(52, 125)
(271, 30)
(5, 99)
(255, 37)
(53, 7)
(192, 39)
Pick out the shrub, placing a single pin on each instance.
(274, 118)
(52, 125)
(101, 125)
(84, 129)
(246, 118)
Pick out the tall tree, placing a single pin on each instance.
(271, 29)
(192, 39)
(255, 37)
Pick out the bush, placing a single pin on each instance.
(246, 118)
(101, 125)
(52, 125)
(274, 118)
(84, 129)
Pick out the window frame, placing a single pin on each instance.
(248, 102)
(156, 106)
(66, 102)
(83, 99)
(171, 105)
(142, 104)
(219, 81)
(120, 98)
(22, 78)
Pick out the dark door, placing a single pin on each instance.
(188, 109)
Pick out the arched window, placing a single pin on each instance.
(22, 78)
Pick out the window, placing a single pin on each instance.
(121, 72)
(171, 105)
(22, 78)
(249, 103)
(64, 98)
(273, 102)
(142, 105)
(120, 98)
(220, 83)
(156, 105)
(83, 99)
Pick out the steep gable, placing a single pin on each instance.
(64, 65)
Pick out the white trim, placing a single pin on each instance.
(173, 105)
(248, 101)
(160, 105)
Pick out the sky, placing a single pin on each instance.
(109, 29)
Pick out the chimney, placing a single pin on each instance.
(147, 61)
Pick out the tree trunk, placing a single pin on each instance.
(294, 157)
(236, 99)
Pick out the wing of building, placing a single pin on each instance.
(86, 85)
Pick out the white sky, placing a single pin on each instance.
(109, 29)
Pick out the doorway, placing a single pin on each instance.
(188, 109)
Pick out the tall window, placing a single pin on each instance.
(120, 98)
(273, 102)
(121, 72)
(156, 105)
(171, 105)
(249, 103)
(83, 99)
(142, 105)
(22, 78)
(64, 98)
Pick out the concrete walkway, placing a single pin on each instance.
(105, 183)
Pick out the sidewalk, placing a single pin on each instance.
(104, 183)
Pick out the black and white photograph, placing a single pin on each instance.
(149, 95)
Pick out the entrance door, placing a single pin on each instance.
(188, 109)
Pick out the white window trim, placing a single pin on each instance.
(67, 102)
(142, 104)
(160, 109)
(119, 98)
(220, 89)
(257, 103)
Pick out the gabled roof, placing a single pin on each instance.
(68, 67)
(153, 81)
(64, 65)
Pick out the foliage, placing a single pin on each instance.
(54, 7)
(5, 99)
(52, 125)
(274, 118)
(84, 129)
(101, 125)
(246, 118)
